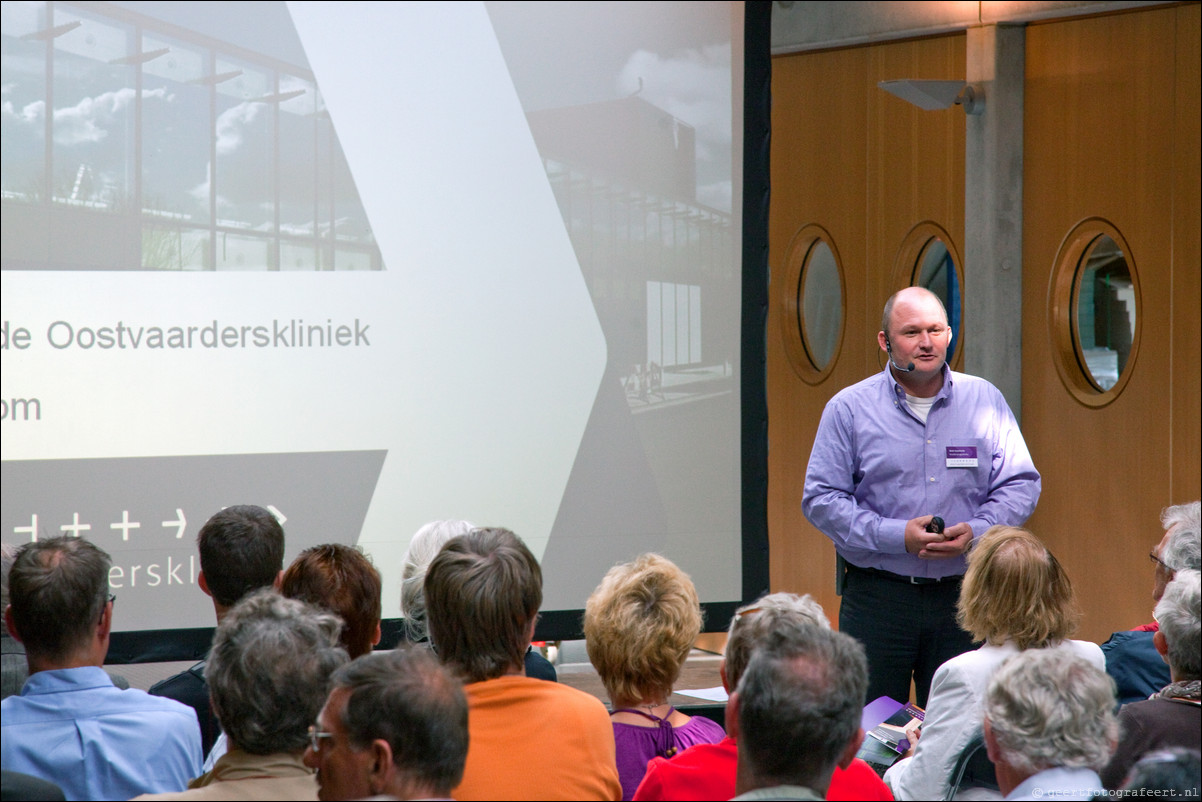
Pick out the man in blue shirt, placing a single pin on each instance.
(71, 725)
(913, 442)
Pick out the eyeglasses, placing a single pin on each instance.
(316, 735)
(1156, 560)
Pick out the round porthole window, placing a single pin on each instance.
(812, 304)
(928, 258)
(1095, 312)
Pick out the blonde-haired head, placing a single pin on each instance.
(1015, 590)
(639, 625)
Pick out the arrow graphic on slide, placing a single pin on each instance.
(180, 523)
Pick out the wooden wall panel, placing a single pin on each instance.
(819, 105)
(1186, 322)
(867, 167)
(915, 161)
(1099, 141)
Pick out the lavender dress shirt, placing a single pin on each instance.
(875, 465)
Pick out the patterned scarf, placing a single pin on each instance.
(1188, 691)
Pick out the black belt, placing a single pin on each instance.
(909, 580)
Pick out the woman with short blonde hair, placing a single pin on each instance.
(1015, 596)
(639, 626)
(1016, 592)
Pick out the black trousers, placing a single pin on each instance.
(907, 630)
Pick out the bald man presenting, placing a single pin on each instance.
(914, 443)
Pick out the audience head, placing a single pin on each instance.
(483, 591)
(241, 549)
(1045, 709)
(396, 724)
(269, 669)
(59, 600)
(1181, 546)
(639, 626)
(797, 708)
(752, 623)
(340, 579)
(424, 547)
(1171, 773)
(1180, 635)
(7, 555)
(1015, 590)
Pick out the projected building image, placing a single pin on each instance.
(657, 261)
(166, 149)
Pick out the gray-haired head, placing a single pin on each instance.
(1184, 547)
(1177, 612)
(1171, 773)
(7, 555)
(799, 706)
(1048, 709)
(409, 699)
(269, 670)
(752, 623)
(423, 548)
(58, 588)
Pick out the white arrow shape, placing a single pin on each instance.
(180, 523)
(527, 315)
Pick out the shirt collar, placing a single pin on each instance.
(61, 680)
(238, 765)
(900, 392)
(1048, 782)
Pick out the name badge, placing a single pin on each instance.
(961, 456)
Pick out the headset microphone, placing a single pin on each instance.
(889, 351)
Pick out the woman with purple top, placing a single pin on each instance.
(639, 626)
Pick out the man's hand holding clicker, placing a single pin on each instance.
(918, 539)
(956, 540)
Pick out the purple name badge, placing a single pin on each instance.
(961, 456)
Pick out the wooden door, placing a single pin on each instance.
(1111, 135)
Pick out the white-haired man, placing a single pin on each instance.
(1172, 717)
(1132, 659)
(1049, 725)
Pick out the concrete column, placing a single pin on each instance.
(993, 211)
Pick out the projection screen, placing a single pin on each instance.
(371, 265)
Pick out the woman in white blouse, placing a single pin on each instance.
(1015, 596)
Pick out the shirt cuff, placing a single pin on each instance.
(891, 536)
